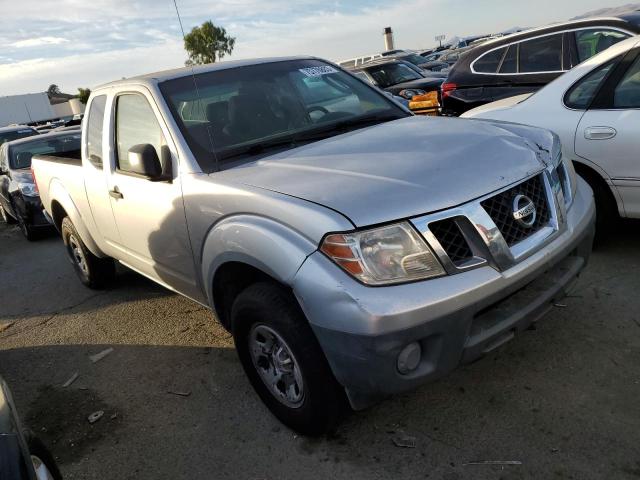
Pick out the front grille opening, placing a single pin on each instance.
(448, 233)
(500, 209)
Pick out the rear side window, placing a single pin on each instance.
(627, 93)
(583, 92)
(94, 130)
(490, 61)
(590, 42)
(543, 54)
(135, 124)
(510, 60)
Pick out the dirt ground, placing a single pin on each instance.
(561, 399)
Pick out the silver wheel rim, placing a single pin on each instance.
(77, 255)
(276, 365)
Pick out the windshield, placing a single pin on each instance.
(413, 58)
(20, 155)
(242, 111)
(16, 134)
(389, 74)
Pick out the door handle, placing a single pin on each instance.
(599, 133)
(115, 193)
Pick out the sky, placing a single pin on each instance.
(84, 43)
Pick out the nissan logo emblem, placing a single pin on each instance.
(524, 211)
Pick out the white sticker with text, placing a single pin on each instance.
(318, 71)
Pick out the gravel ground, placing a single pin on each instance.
(561, 399)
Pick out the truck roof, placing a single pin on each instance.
(161, 76)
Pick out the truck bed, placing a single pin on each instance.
(72, 157)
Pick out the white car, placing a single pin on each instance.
(595, 109)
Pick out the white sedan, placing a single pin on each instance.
(595, 109)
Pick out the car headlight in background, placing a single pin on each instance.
(409, 93)
(385, 255)
(28, 189)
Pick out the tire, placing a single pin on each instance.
(37, 449)
(6, 218)
(27, 230)
(94, 272)
(315, 402)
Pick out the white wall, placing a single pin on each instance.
(31, 107)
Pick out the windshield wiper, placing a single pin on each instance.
(318, 133)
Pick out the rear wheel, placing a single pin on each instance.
(283, 360)
(6, 218)
(93, 271)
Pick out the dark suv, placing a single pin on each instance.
(526, 61)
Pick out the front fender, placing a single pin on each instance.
(260, 242)
(58, 193)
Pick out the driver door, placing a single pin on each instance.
(149, 214)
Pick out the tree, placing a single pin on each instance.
(83, 95)
(53, 90)
(207, 43)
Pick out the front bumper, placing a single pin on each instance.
(456, 318)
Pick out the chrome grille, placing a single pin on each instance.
(500, 209)
(448, 233)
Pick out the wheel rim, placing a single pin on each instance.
(77, 255)
(276, 365)
(4, 214)
(41, 470)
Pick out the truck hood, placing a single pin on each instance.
(403, 168)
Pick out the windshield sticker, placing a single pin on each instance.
(318, 71)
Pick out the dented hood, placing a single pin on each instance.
(403, 168)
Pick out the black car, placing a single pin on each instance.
(22, 456)
(410, 57)
(8, 134)
(19, 199)
(526, 61)
(398, 78)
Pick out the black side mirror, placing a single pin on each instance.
(143, 160)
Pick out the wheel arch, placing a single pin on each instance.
(595, 175)
(62, 206)
(245, 249)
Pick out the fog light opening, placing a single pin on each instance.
(409, 358)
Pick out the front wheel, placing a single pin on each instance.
(283, 360)
(94, 272)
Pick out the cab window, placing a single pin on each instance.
(583, 92)
(627, 92)
(94, 130)
(543, 54)
(135, 124)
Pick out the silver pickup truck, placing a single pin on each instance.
(353, 250)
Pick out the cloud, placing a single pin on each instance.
(38, 41)
(103, 40)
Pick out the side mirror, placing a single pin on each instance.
(143, 160)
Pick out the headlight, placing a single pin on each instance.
(410, 93)
(28, 189)
(384, 255)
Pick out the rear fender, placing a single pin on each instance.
(58, 193)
